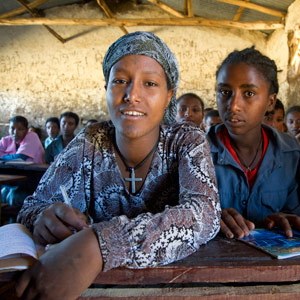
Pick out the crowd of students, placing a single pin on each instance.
(163, 176)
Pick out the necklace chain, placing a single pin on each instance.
(132, 178)
(248, 167)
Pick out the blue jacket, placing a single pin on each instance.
(276, 186)
(54, 149)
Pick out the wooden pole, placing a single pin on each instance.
(259, 25)
(239, 12)
(167, 8)
(190, 8)
(36, 14)
(21, 10)
(257, 7)
(109, 14)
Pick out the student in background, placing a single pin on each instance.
(293, 121)
(52, 128)
(168, 209)
(206, 110)
(256, 165)
(90, 122)
(275, 118)
(190, 108)
(37, 130)
(20, 144)
(211, 118)
(68, 124)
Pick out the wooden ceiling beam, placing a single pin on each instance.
(190, 8)
(36, 14)
(167, 8)
(258, 25)
(239, 12)
(21, 10)
(256, 7)
(109, 13)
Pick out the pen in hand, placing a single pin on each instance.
(67, 201)
(65, 196)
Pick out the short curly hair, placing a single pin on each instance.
(263, 64)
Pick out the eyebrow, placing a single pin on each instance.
(246, 85)
(120, 69)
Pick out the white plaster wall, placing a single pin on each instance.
(292, 23)
(41, 77)
(277, 49)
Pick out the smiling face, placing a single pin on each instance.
(243, 98)
(137, 96)
(189, 109)
(17, 131)
(293, 122)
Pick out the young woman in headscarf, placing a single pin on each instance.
(148, 189)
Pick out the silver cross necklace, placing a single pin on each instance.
(132, 179)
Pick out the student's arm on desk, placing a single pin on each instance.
(14, 156)
(65, 270)
(233, 224)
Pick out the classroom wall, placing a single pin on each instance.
(41, 77)
(293, 23)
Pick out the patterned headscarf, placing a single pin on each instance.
(146, 43)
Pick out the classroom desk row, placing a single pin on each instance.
(221, 270)
(27, 176)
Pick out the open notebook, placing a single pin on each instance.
(17, 248)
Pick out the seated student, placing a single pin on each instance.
(37, 130)
(256, 165)
(52, 128)
(90, 122)
(68, 123)
(20, 144)
(190, 108)
(275, 118)
(206, 110)
(293, 121)
(211, 118)
(149, 188)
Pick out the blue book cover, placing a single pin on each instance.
(274, 242)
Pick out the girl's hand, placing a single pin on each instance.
(233, 224)
(64, 271)
(284, 221)
(57, 222)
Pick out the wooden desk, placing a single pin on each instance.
(221, 270)
(19, 168)
(34, 173)
(6, 179)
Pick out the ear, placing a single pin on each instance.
(170, 94)
(272, 102)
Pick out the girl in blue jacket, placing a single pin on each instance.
(257, 167)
